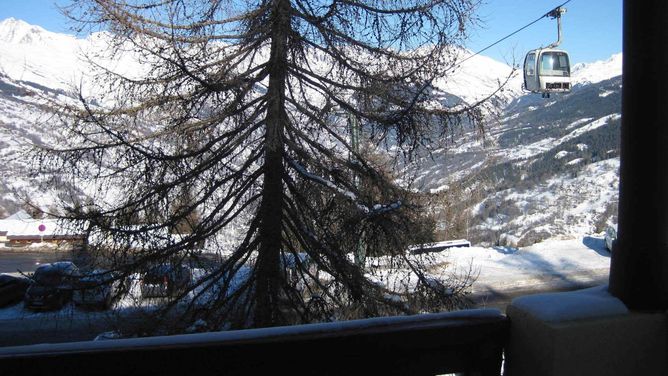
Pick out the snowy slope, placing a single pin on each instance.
(23, 124)
(33, 55)
(37, 66)
(564, 205)
(20, 32)
(508, 180)
(30, 53)
(478, 77)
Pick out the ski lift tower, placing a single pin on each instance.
(354, 129)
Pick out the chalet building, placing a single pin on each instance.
(25, 240)
(21, 230)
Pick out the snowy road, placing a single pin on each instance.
(555, 265)
(27, 260)
(488, 296)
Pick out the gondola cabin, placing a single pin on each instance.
(546, 71)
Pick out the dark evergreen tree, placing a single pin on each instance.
(236, 129)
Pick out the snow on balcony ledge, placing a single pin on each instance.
(595, 302)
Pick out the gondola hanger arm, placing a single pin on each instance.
(556, 13)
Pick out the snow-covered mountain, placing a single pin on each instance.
(20, 32)
(477, 77)
(591, 73)
(33, 54)
(57, 61)
(538, 152)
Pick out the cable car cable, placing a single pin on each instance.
(511, 34)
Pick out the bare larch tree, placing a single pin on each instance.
(233, 137)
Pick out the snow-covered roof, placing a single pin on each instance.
(20, 215)
(21, 223)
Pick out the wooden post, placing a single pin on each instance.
(639, 268)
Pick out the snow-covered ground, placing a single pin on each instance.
(553, 263)
(549, 264)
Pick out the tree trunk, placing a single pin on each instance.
(271, 208)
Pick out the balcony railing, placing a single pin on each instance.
(469, 342)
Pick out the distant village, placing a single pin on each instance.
(21, 230)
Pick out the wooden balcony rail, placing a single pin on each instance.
(470, 342)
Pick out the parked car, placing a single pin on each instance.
(97, 289)
(51, 286)
(12, 289)
(610, 236)
(165, 280)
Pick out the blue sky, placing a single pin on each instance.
(592, 28)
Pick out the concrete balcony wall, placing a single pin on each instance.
(587, 332)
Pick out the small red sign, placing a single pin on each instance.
(41, 228)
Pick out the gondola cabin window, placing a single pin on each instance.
(530, 63)
(554, 63)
